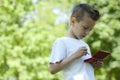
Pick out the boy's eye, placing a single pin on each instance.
(85, 27)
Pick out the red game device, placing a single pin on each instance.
(99, 56)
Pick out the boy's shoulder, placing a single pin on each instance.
(61, 38)
(65, 39)
(69, 40)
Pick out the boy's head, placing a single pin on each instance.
(82, 10)
(83, 19)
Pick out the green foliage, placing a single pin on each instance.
(28, 29)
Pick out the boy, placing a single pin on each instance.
(69, 52)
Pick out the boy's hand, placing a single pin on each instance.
(97, 64)
(80, 52)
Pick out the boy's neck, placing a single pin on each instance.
(70, 34)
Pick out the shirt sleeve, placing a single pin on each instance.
(58, 52)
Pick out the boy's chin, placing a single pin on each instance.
(81, 37)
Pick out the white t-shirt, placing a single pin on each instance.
(78, 69)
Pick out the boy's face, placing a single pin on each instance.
(82, 28)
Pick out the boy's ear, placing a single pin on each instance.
(72, 21)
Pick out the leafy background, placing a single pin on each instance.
(28, 29)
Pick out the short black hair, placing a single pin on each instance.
(80, 10)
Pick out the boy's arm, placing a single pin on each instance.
(56, 67)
